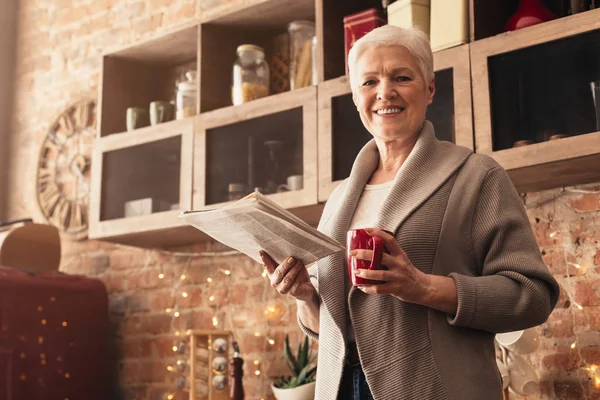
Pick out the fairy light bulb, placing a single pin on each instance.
(168, 310)
(209, 279)
(257, 372)
(271, 309)
(215, 321)
(177, 333)
(227, 272)
(176, 314)
(182, 277)
(161, 276)
(211, 298)
(170, 397)
(265, 273)
(573, 345)
(184, 294)
(257, 334)
(170, 368)
(271, 342)
(174, 348)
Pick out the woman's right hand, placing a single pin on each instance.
(290, 277)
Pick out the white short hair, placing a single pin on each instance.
(414, 39)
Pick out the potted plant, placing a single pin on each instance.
(301, 384)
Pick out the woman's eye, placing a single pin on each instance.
(403, 78)
(369, 82)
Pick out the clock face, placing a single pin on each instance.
(63, 173)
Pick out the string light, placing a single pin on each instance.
(161, 276)
(209, 279)
(184, 294)
(211, 298)
(271, 342)
(182, 277)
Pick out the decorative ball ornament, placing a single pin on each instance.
(63, 171)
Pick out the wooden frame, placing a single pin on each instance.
(139, 230)
(195, 335)
(456, 58)
(305, 98)
(544, 165)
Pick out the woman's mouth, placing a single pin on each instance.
(389, 111)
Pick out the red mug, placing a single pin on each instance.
(359, 239)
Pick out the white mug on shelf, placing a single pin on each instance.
(294, 182)
(520, 342)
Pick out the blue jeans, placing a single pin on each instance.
(354, 384)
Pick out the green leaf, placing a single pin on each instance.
(290, 359)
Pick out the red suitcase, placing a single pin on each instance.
(53, 336)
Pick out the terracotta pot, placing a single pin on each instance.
(529, 12)
(304, 392)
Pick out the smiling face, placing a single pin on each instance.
(390, 93)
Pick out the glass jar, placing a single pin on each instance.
(301, 39)
(186, 96)
(250, 75)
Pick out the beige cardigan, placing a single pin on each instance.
(455, 214)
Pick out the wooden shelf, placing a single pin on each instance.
(134, 76)
(542, 165)
(150, 162)
(221, 148)
(340, 123)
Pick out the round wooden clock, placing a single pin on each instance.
(63, 172)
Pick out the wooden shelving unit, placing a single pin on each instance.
(545, 164)
(192, 161)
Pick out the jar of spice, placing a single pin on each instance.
(301, 43)
(250, 75)
(186, 96)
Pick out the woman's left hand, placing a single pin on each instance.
(401, 279)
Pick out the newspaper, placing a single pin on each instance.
(256, 223)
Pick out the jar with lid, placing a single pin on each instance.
(186, 96)
(250, 75)
(301, 43)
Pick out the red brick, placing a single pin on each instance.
(588, 319)
(248, 317)
(562, 362)
(216, 295)
(114, 282)
(591, 354)
(129, 372)
(586, 203)
(587, 292)
(135, 348)
(162, 347)
(154, 324)
(597, 257)
(126, 258)
(195, 296)
(568, 390)
(546, 234)
(563, 300)
(130, 325)
(161, 299)
(153, 371)
(560, 324)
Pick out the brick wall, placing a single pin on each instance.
(58, 60)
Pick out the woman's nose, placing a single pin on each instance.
(386, 91)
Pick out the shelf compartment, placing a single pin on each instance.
(154, 163)
(488, 18)
(339, 122)
(330, 31)
(533, 84)
(224, 137)
(256, 23)
(136, 75)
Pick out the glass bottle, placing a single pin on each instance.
(250, 75)
(186, 96)
(301, 39)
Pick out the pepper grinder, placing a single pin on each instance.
(236, 372)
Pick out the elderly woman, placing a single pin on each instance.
(463, 263)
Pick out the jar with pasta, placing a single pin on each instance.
(186, 96)
(301, 39)
(250, 75)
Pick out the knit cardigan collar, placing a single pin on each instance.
(428, 166)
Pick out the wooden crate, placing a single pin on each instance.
(546, 164)
(135, 75)
(148, 162)
(221, 149)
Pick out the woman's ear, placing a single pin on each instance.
(430, 90)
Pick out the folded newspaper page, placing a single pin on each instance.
(256, 223)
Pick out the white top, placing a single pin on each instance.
(365, 215)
